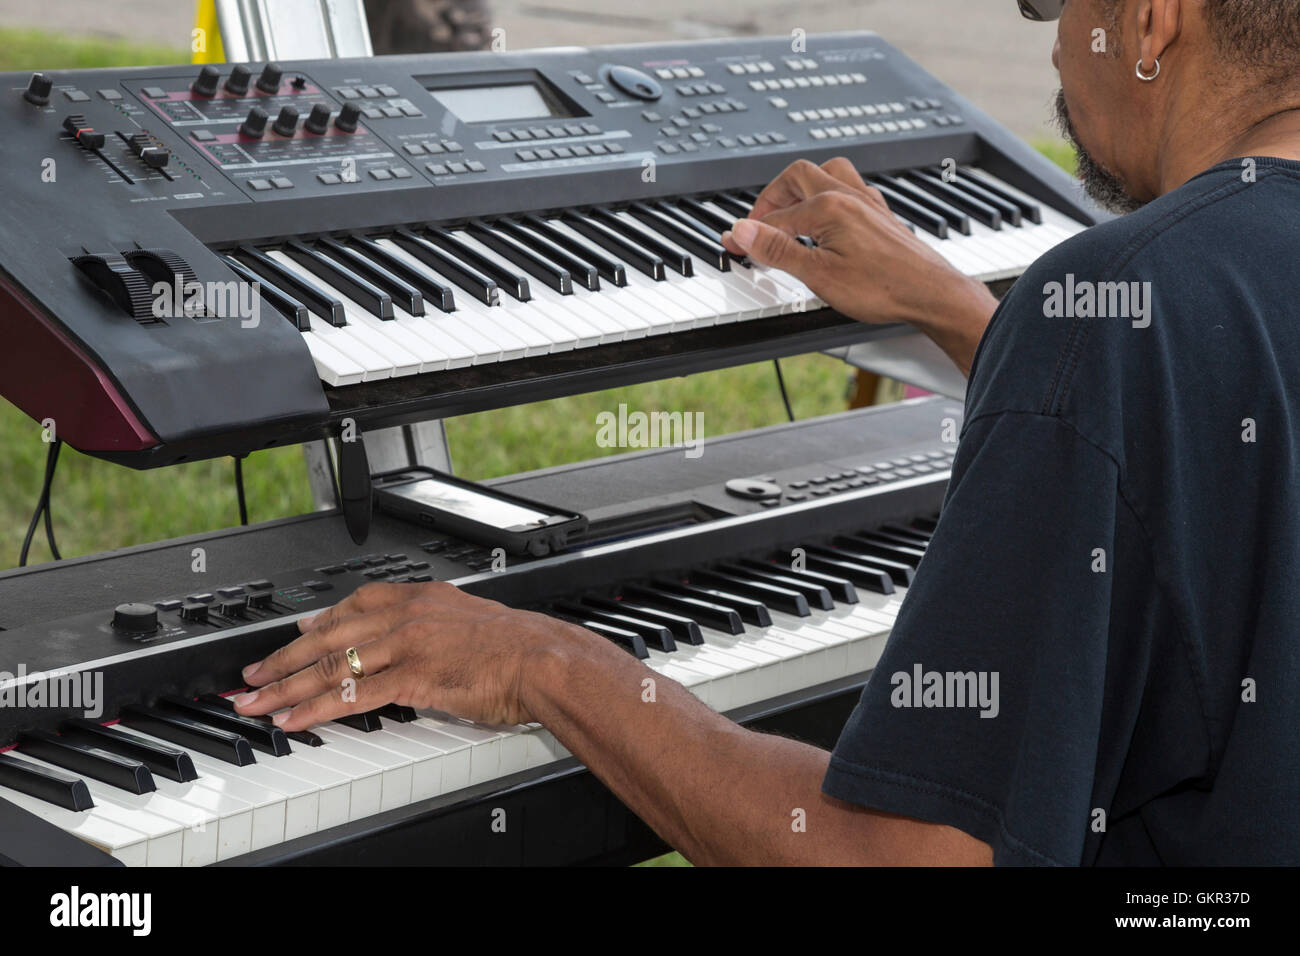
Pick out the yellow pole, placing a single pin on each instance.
(205, 41)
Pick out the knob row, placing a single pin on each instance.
(287, 122)
(237, 82)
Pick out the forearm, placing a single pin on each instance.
(716, 792)
(954, 315)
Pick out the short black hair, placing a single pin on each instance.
(1259, 37)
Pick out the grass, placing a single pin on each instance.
(98, 506)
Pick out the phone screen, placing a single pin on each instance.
(467, 503)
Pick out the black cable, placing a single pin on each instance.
(780, 380)
(43, 507)
(239, 489)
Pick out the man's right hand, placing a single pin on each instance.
(866, 264)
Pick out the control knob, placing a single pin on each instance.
(347, 118)
(319, 120)
(286, 124)
(38, 89)
(269, 81)
(237, 82)
(634, 82)
(135, 618)
(206, 84)
(255, 124)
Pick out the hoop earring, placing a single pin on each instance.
(1144, 77)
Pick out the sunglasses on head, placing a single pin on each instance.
(1041, 9)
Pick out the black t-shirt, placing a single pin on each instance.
(1118, 556)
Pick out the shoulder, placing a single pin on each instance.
(1099, 308)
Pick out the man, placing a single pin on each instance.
(1117, 548)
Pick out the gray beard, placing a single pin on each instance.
(1103, 186)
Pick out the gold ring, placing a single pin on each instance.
(354, 662)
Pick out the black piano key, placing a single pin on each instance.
(612, 241)
(656, 635)
(398, 289)
(1029, 210)
(189, 733)
(608, 268)
(361, 291)
(87, 760)
(52, 786)
(913, 212)
(683, 629)
(981, 211)
(814, 595)
(840, 587)
(912, 540)
(367, 722)
(269, 740)
(476, 283)
(398, 713)
(773, 595)
(511, 280)
(170, 762)
(581, 272)
(1009, 211)
(749, 195)
(655, 216)
(552, 274)
(750, 611)
(928, 525)
(311, 295)
(896, 572)
(640, 236)
(731, 204)
(710, 613)
(305, 737)
(915, 535)
(435, 292)
(629, 640)
(877, 546)
(284, 303)
(705, 215)
(862, 574)
(950, 214)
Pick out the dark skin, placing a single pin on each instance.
(715, 791)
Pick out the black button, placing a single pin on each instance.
(318, 585)
(421, 577)
(167, 605)
(433, 547)
(418, 565)
(203, 598)
(331, 569)
(230, 592)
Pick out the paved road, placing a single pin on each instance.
(983, 49)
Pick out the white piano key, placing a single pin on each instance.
(491, 336)
(127, 844)
(389, 344)
(396, 768)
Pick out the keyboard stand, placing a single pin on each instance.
(305, 29)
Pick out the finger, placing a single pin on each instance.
(846, 174)
(368, 597)
(824, 214)
(326, 675)
(842, 171)
(334, 635)
(770, 246)
(370, 693)
(797, 182)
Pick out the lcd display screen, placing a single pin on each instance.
(491, 104)
(467, 503)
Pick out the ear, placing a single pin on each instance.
(1159, 24)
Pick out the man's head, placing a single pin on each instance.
(1214, 65)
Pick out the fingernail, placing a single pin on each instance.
(250, 671)
(243, 700)
(281, 718)
(307, 623)
(744, 232)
